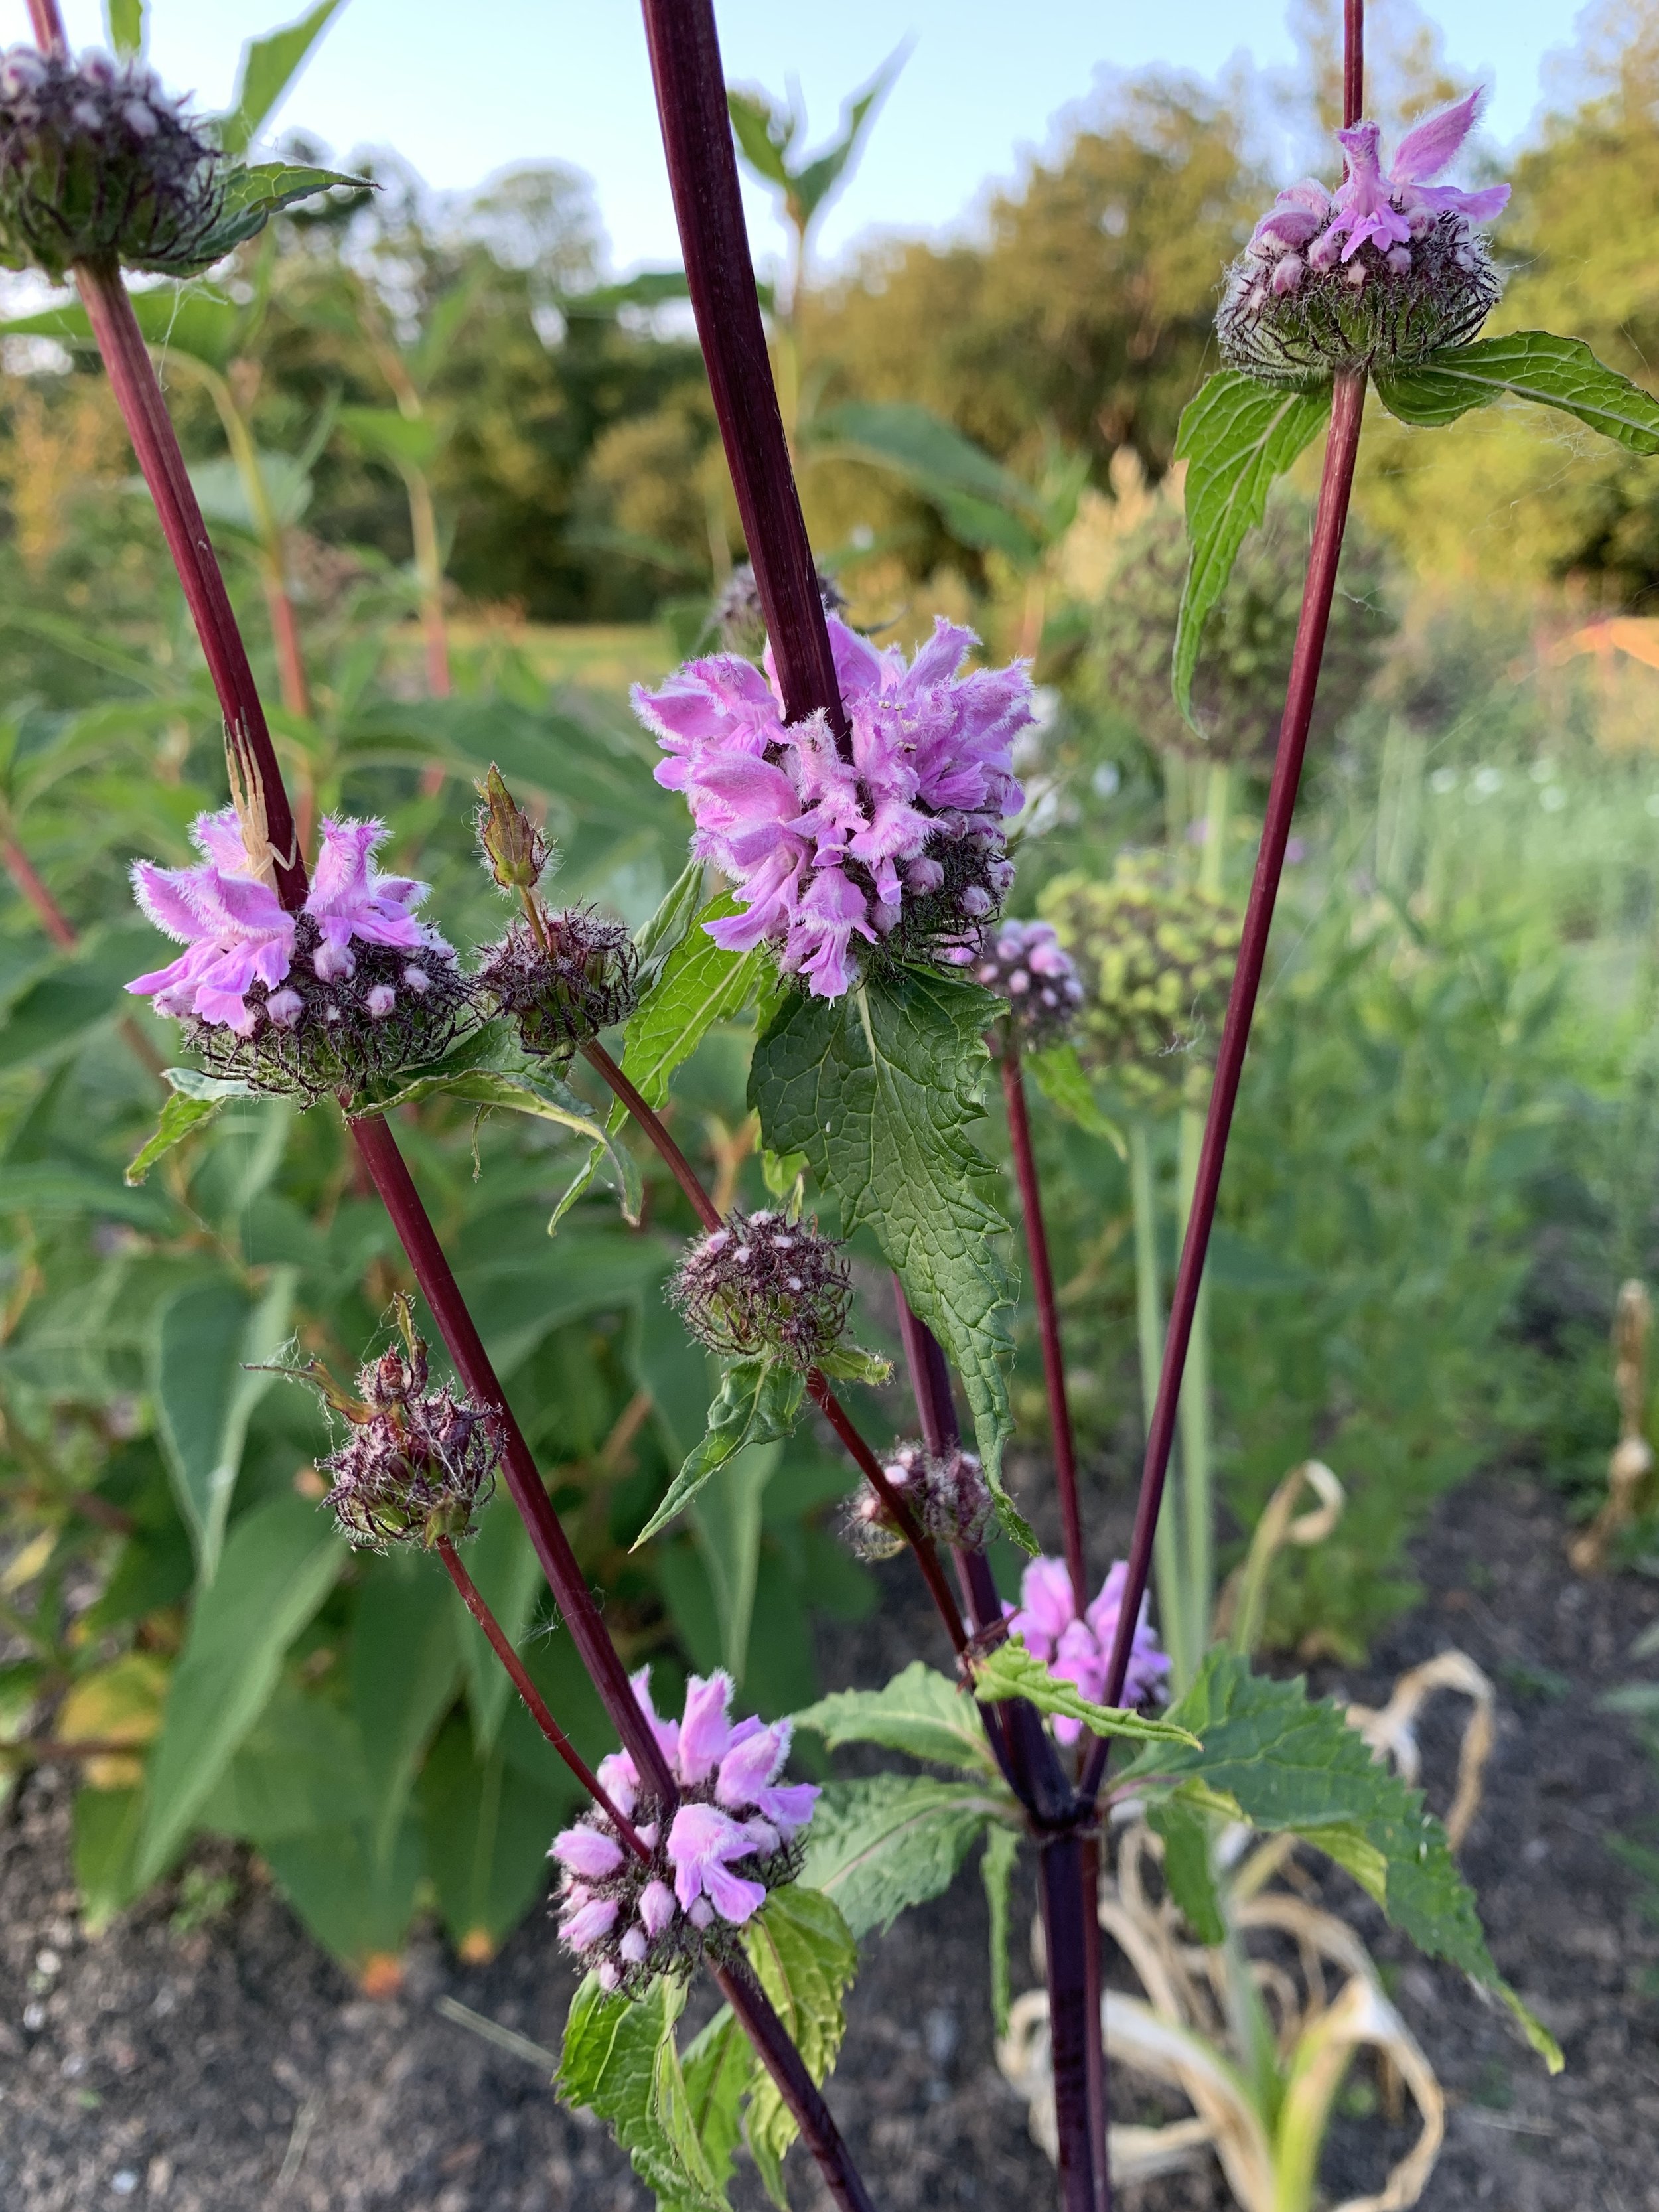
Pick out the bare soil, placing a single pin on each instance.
(232, 2066)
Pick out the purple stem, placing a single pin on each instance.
(703, 174)
(783, 2062)
(1347, 406)
(1042, 1286)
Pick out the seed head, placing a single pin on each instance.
(949, 1496)
(765, 1284)
(97, 164)
(1025, 963)
(1156, 957)
(584, 978)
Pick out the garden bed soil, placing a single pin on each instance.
(231, 2066)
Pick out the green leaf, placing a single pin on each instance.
(804, 1956)
(1536, 364)
(178, 1116)
(1187, 1870)
(73, 997)
(270, 66)
(124, 20)
(1002, 1850)
(385, 434)
(1236, 437)
(1058, 1074)
(880, 1845)
(813, 185)
(851, 1363)
(700, 984)
(1012, 1671)
(209, 1337)
(106, 1824)
(252, 196)
(758, 1403)
(1271, 1757)
(299, 1768)
(357, 1901)
(192, 1083)
(280, 1562)
(615, 2061)
(878, 1089)
(486, 1827)
(720, 2068)
(764, 135)
(405, 1668)
(931, 455)
(655, 940)
(183, 319)
(919, 1711)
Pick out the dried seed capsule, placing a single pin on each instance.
(948, 1495)
(762, 1283)
(583, 979)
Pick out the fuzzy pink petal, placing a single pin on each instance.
(161, 892)
(749, 1766)
(704, 1731)
(587, 1852)
(218, 838)
(1424, 152)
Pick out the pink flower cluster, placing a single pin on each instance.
(1078, 1648)
(728, 1842)
(1026, 965)
(894, 838)
(1308, 228)
(237, 935)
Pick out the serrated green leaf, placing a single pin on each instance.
(1536, 364)
(1187, 1869)
(178, 1116)
(1001, 1851)
(720, 2068)
(270, 66)
(253, 195)
(878, 1089)
(1236, 437)
(759, 1402)
(1058, 1074)
(700, 984)
(804, 1957)
(614, 2062)
(851, 1363)
(212, 1341)
(879, 1846)
(1012, 1671)
(920, 1712)
(1284, 1763)
(655, 940)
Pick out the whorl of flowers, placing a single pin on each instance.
(1078, 1648)
(560, 977)
(352, 987)
(733, 1836)
(764, 1283)
(1374, 276)
(1157, 956)
(1025, 963)
(737, 615)
(416, 1463)
(949, 1496)
(890, 843)
(97, 164)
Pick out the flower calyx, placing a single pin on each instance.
(762, 1283)
(947, 1495)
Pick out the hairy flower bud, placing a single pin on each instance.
(949, 1496)
(516, 853)
(1025, 963)
(98, 165)
(733, 1836)
(765, 1284)
(1156, 957)
(584, 978)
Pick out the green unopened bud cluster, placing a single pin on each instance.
(98, 165)
(1157, 958)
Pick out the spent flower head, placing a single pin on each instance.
(1377, 274)
(416, 1462)
(1025, 963)
(890, 842)
(764, 1283)
(948, 1495)
(734, 1838)
(97, 164)
(352, 987)
(1156, 956)
(1077, 1647)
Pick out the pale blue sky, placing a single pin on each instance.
(461, 90)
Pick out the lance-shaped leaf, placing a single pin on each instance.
(1002, 1850)
(1284, 1763)
(920, 1712)
(270, 66)
(982, 504)
(1013, 1671)
(1058, 1074)
(1236, 437)
(124, 21)
(878, 1090)
(178, 1116)
(253, 195)
(759, 1402)
(1536, 364)
(804, 1957)
(879, 1846)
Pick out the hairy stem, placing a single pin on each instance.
(534, 1704)
(778, 2054)
(1042, 1286)
(1341, 448)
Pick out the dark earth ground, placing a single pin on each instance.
(235, 2067)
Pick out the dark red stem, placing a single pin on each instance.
(657, 1129)
(1348, 402)
(1353, 62)
(772, 2039)
(387, 1170)
(1043, 1286)
(702, 175)
(1068, 1937)
(51, 916)
(535, 1704)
